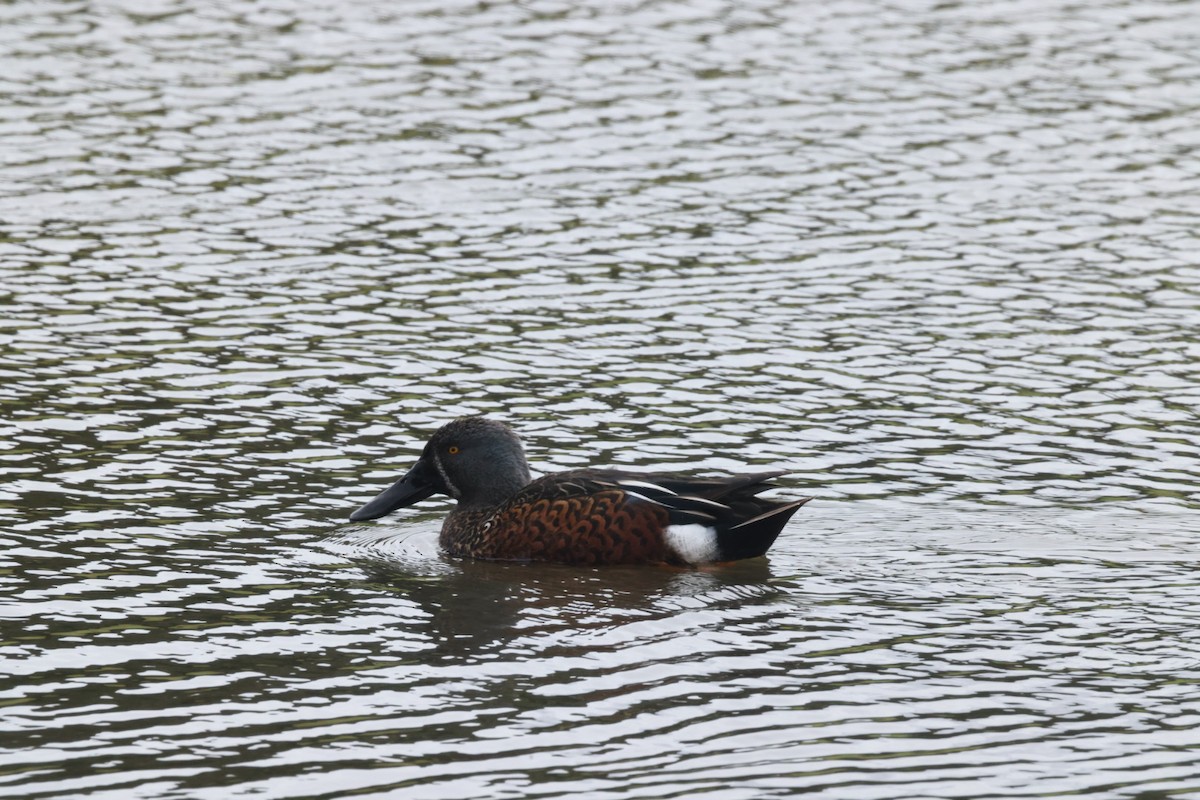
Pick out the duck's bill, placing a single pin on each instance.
(414, 487)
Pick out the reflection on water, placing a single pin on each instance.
(937, 260)
(475, 605)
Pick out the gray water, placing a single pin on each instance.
(937, 259)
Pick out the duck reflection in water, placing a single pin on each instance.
(478, 607)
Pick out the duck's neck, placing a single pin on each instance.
(499, 482)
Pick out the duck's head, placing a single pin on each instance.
(477, 461)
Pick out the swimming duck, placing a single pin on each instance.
(583, 516)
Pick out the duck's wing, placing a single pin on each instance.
(717, 519)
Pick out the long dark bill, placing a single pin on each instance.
(417, 484)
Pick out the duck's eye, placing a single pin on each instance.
(452, 450)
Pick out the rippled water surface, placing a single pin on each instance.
(937, 259)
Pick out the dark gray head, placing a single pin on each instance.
(477, 461)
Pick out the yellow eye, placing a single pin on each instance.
(453, 450)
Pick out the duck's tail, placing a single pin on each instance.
(745, 525)
(753, 537)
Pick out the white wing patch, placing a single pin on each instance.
(701, 501)
(653, 487)
(643, 497)
(694, 543)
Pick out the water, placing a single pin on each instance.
(936, 259)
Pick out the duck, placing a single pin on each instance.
(586, 517)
